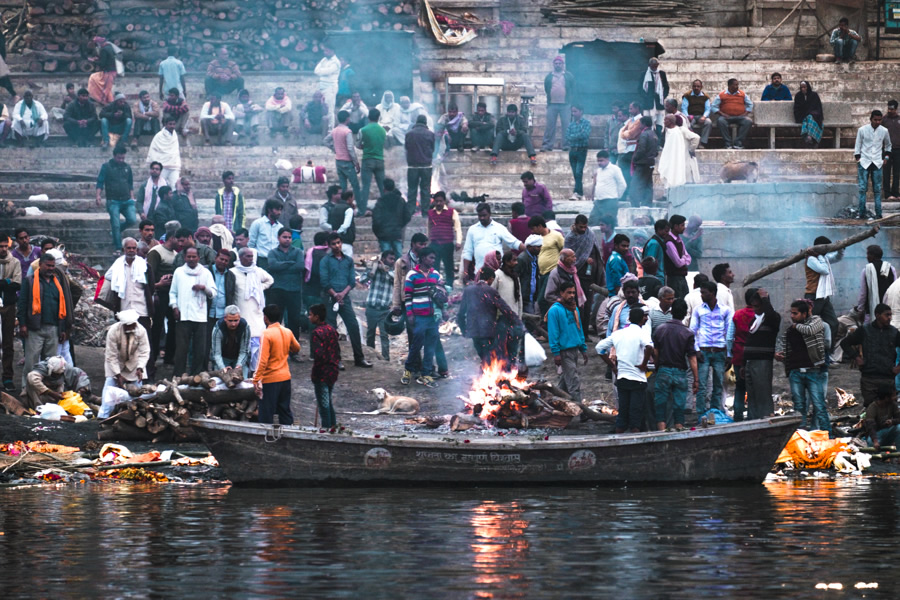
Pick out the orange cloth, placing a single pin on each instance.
(36, 296)
(100, 86)
(811, 449)
(732, 105)
(277, 342)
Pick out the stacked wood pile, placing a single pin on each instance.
(164, 416)
(262, 35)
(635, 13)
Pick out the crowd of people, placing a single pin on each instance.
(215, 296)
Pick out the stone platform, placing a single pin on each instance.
(761, 201)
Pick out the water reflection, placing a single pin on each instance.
(171, 541)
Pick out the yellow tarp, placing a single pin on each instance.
(811, 449)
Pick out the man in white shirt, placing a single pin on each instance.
(483, 237)
(724, 277)
(192, 287)
(609, 187)
(820, 284)
(129, 278)
(328, 71)
(29, 119)
(216, 120)
(264, 232)
(250, 285)
(873, 145)
(634, 349)
(166, 150)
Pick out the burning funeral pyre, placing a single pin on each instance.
(505, 399)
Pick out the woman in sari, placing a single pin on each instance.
(808, 112)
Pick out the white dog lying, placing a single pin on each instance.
(394, 404)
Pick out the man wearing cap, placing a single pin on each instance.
(116, 118)
(529, 274)
(127, 351)
(45, 312)
(50, 379)
(559, 85)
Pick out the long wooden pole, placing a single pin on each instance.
(814, 250)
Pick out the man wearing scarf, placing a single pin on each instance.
(390, 116)
(278, 112)
(406, 118)
(146, 117)
(166, 150)
(129, 278)
(656, 90)
(454, 124)
(565, 330)
(191, 289)
(802, 347)
(10, 284)
(875, 279)
(588, 259)
(29, 119)
(45, 312)
(127, 351)
(250, 284)
(100, 83)
(50, 379)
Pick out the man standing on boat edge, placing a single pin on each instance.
(272, 379)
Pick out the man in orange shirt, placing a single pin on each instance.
(272, 379)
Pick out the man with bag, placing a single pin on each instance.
(50, 379)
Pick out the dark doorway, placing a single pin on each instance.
(382, 60)
(608, 72)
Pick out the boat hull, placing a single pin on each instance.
(262, 455)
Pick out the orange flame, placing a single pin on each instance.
(495, 383)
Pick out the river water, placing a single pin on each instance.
(207, 541)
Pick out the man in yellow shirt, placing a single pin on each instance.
(272, 379)
(553, 244)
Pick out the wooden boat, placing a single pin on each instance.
(266, 455)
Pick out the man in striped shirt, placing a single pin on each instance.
(421, 286)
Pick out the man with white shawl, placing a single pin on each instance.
(875, 280)
(166, 150)
(406, 118)
(677, 163)
(129, 280)
(250, 284)
(390, 117)
(127, 351)
(29, 119)
(191, 290)
(656, 90)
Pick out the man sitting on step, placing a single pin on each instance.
(734, 108)
(512, 133)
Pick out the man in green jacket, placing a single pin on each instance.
(230, 202)
(372, 138)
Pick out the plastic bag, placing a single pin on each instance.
(111, 396)
(73, 404)
(534, 352)
(51, 412)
